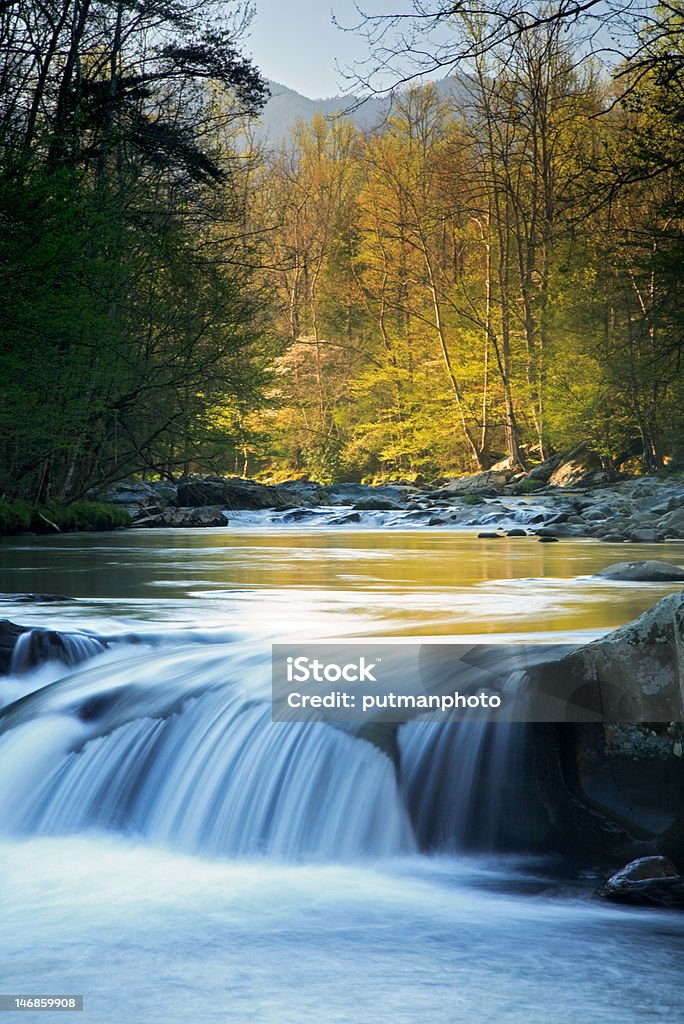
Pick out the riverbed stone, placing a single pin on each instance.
(645, 536)
(205, 516)
(378, 505)
(647, 881)
(649, 571)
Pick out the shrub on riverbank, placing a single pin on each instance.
(54, 517)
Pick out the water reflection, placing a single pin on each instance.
(276, 582)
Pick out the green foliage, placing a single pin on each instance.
(125, 323)
(81, 515)
(15, 517)
(21, 517)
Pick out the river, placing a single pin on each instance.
(173, 855)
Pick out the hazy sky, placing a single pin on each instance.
(294, 42)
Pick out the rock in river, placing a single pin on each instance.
(650, 571)
(648, 881)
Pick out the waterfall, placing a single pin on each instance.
(461, 780)
(37, 646)
(180, 748)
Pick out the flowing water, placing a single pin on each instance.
(173, 854)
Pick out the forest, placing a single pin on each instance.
(491, 272)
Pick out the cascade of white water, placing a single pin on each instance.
(37, 646)
(181, 749)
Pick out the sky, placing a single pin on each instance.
(295, 43)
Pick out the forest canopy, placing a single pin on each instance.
(490, 272)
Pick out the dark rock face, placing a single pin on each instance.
(646, 882)
(230, 493)
(651, 571)
(9, 634)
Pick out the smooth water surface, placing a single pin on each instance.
(334, 582)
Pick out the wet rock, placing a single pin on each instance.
(189, 518)
(298, 514)
(34, 598)
(378, 505)
(489, 535)
(593, 515)
(516, 533)
(645, 537)
(650, 571)
(436, 521)
(9, 634)
(548, 540)
(635, 670)
(351, 517)
(646, 882)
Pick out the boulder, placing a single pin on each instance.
(635, 672)
(354, 494)
(543, 472)
(650, 571)
(230, 493)
(645, 536)
(490, 482)
(205, 516)
(581, 467)
(378, 505)
(297, 514)
(304, 492)
(34, 598)
(129, 494)
(646, 882)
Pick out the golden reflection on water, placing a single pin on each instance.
(372, 581)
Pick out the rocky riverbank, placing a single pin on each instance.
(639, 510)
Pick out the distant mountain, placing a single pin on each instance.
(286, 107)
